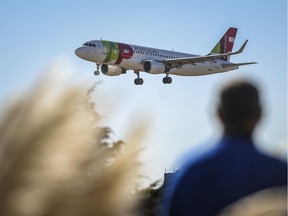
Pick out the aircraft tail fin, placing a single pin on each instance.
(225, 44)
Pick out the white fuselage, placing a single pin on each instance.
(131, 57)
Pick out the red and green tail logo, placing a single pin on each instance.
(225, 45)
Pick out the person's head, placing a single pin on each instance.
(239, 108)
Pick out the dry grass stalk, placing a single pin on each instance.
(48, 162)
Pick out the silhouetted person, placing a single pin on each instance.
(233, 168)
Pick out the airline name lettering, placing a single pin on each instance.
(146, 50)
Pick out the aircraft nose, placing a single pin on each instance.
(80, 52)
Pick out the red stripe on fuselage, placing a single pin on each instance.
(126, 52)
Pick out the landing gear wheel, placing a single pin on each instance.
(96, 73)
(138, 81)
(167, 80)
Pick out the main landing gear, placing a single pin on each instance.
(138, 80)
(167, 79)
(97, 72)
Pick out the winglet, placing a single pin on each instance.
(242, 47)
(217, 56)
(237, 52)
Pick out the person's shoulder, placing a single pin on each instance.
(271, 165)
(202, 158)
(202, 154)
(192, 158)
(272, 160)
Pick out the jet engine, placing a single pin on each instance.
(111, 70)
(155, 67)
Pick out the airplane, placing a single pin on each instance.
(116, 58)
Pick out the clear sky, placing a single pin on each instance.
(36, 33)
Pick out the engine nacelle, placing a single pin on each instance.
(111, 70)
(155, 67)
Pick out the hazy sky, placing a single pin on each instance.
(36, 33)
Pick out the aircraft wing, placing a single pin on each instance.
(179, 62)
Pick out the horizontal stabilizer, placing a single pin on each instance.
(238, 64)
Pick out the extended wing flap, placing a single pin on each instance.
(237, 64)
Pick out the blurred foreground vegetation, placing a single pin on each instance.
(56, 160)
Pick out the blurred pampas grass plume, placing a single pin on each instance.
(49, 161)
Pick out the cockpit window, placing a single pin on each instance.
(89, 44)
